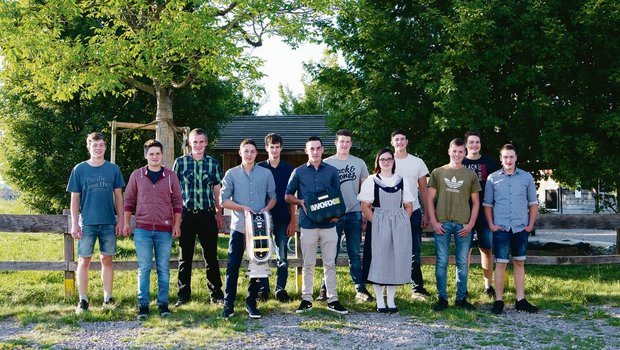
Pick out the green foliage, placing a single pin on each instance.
(40, 145)
(311, 102)
(543, 75)
(60, 51)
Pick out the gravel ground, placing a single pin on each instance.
(513, 330)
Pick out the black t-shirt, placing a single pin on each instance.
(482, 166)
(155, 175)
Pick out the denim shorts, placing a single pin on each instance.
(505, 243)
(90, 233)
(483, 233)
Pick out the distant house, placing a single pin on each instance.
(294, 129)
(557, 199)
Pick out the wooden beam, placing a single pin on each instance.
(297, 263)
(33, 223)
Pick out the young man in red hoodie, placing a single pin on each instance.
(154, 193)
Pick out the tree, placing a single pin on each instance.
(156, 47)
(543, 75)
(40, 145)
(310, 102)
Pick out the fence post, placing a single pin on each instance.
(69, 257)
(298, 275)
(618, 240)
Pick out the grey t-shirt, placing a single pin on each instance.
(96, 185)
(350, 172)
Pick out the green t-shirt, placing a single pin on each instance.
(454, 188)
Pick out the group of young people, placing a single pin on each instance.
(392, 205)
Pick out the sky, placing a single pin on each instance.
(283, 65)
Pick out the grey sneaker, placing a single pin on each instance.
(364, 295)
(82, 306)
(322, 295)
(420, 294)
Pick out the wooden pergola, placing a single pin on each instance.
(184, 130)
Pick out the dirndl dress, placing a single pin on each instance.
(387, 247)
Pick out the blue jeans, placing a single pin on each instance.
(351, 224)
(416, 251)
(506, 242)
(442, 250)
(146, 241)
(236, 247)
(90, 233)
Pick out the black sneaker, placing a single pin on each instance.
(383, 310)
(364, 295)
(392, 310)
(524, 305)
(109, 302)
(283, 296)
(217, 298)
(440, 305)
(262, 296)
(252, 311)
(164, 311)
(498, 307)
(180, 302)
(336, 307)
(228, 311)
(420, 294)
(490, 292)
(143, 312)
(304, 306)
(322, 295)
(464, 304)
(82, 306)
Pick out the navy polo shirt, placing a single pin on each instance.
(305, 179)
(281, 174)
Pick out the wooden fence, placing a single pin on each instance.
(60, 224)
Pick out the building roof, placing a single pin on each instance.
(294, 129)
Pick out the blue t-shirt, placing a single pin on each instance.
(96, 187)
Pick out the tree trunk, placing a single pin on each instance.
(164, 118)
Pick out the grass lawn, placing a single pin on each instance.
(38, 296)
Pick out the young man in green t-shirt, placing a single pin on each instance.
(453, 186)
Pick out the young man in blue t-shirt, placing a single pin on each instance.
(96, 197)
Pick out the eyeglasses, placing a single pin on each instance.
(386, 160)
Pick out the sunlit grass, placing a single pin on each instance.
(37, 297)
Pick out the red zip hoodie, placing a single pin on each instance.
(154, 203)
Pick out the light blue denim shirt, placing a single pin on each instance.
(254, 190)
(510, 196)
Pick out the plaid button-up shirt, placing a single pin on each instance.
(197, 178)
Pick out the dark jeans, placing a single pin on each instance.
(236, 247)
(350, 224)
(416, 260)
(203, 225)
(281, 240)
